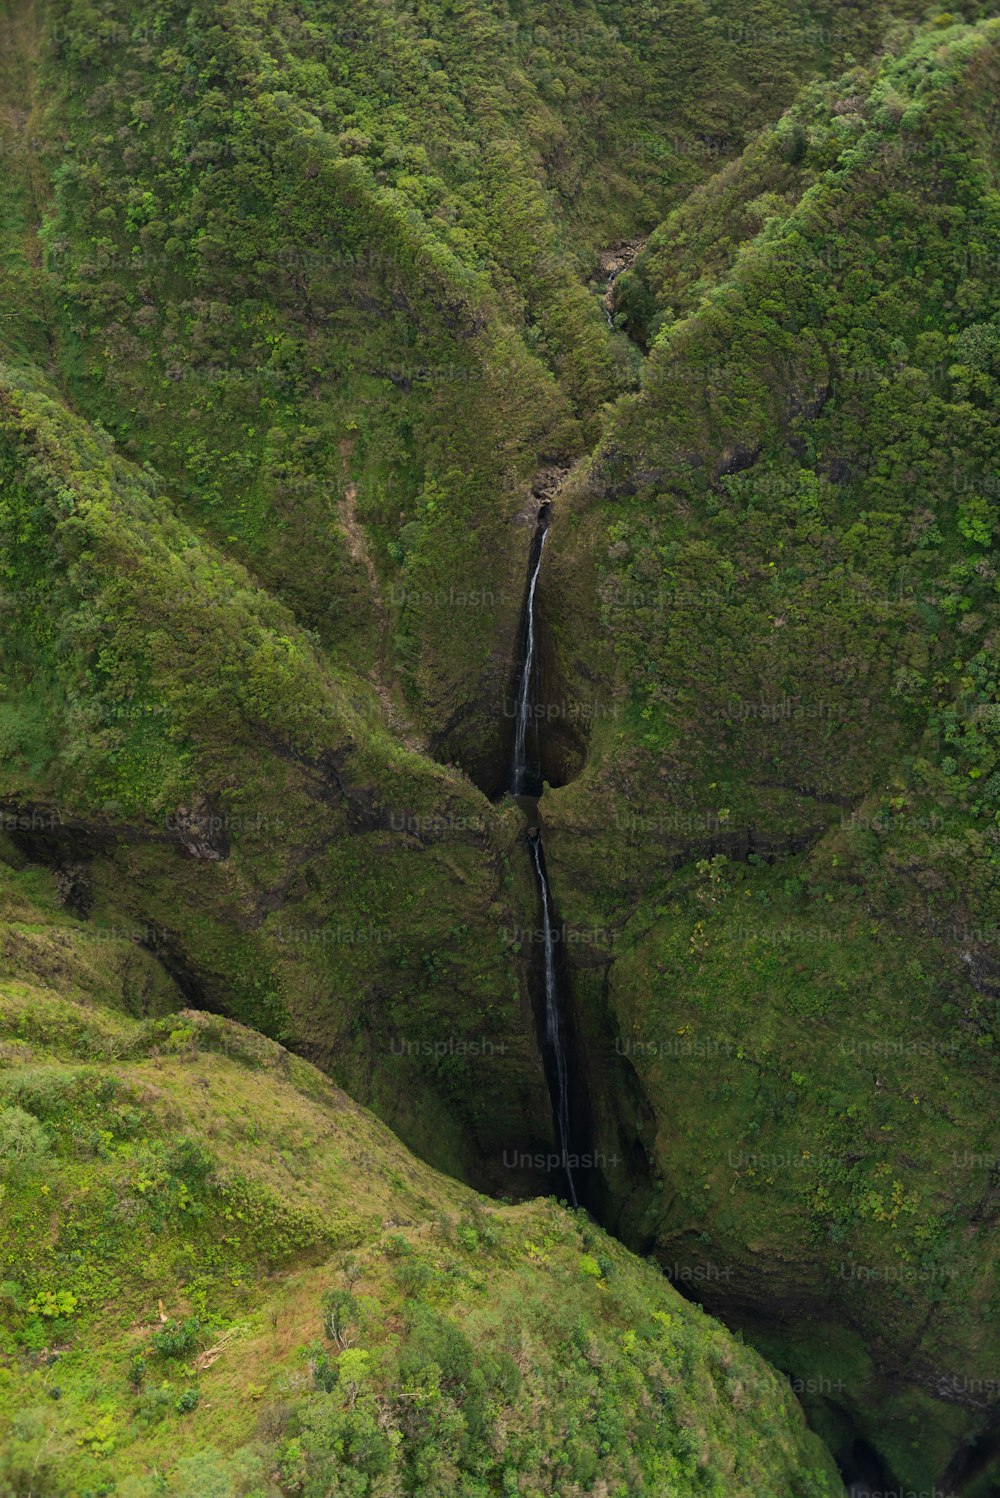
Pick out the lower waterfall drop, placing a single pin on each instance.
(555, 1031)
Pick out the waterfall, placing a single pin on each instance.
(555, 1037)
(526, 783)
(609, 301)
(526, 778)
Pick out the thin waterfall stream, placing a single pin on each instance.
(563, 1056)
(564, 1053)
(526, 784)
(618, 258)
(555, 1031)
(526, 774)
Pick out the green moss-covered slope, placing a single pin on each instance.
(198, 770)
(327, 274)
(784, 842)
(222, 1276)
(300, 313)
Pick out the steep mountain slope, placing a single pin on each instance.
(300, 317)
(194, 767)
(326, 268)
(222, 1276)
(278, 330)
(785, 836)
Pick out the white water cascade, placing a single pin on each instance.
(554, 1033)
(526, 776)
(526, 783)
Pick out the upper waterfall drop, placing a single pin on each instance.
(526, 774)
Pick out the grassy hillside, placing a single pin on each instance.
(300, 314)
(222, 1276)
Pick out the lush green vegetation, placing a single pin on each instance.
(295, 309)
(324, 278)
(373, 887)
(786, 544)
(220, 1276)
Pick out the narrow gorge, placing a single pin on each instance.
(574, 1171)
(499, 748)
(547, 969)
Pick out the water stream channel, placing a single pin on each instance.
(526, 785)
